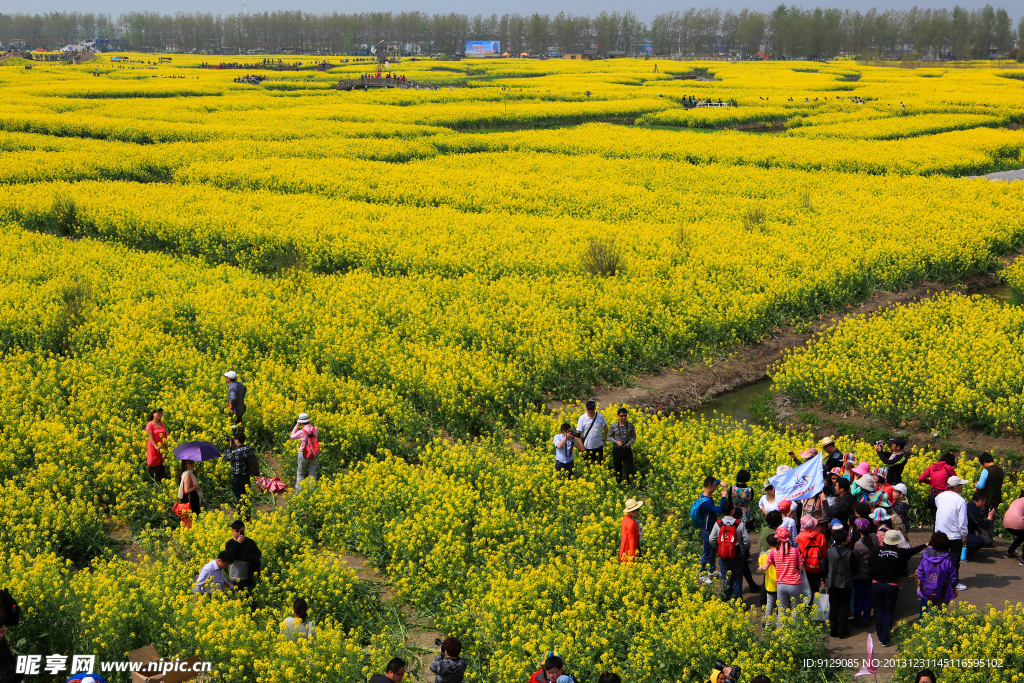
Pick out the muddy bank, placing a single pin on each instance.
(691, 386)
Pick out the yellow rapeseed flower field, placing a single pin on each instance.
(421, 270)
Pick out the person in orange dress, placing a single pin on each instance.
(632, 532)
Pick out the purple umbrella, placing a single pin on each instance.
(198, 451)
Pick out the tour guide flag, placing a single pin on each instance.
(800, 483)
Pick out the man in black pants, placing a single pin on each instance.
(594, 429)
(238, 455)
(622, 434)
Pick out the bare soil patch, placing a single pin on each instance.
(687, 388)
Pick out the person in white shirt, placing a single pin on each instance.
(211, 576)
(951, 519)
(594, 429)
(298, 626)
(565, 442)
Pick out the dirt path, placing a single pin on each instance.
(990, 580)
(687, 388)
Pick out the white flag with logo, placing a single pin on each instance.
(799, 483)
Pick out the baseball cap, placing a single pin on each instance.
(591, 405)
(836, 524)
(955, 481)
(902, 488)
(898, 441)
(231, 374)
(785, 506)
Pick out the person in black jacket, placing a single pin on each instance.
(894, 459)
(7, 663)
(840, 583)
(890, 566)
(844, 505)
(246, 558)
(449, 667)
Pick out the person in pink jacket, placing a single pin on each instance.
(302, 431)
(938, 474)
(1013, 522)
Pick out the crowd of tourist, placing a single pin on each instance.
(848, 539)
(251, 79)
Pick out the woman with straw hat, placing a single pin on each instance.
(309, 442)
(632, 532)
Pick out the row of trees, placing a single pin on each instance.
(787, 32)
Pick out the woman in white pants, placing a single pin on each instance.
(302, 431)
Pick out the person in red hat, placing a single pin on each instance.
(789, 515)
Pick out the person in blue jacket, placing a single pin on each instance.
(708, 513)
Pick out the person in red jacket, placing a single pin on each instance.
(541, 676)
(632, 532)
(812, 546)
(937, 475)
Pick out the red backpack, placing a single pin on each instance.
(312, 448)
(812, 558)
(727, 540)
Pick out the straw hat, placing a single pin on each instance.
(303, 419)
(633, 504)
(827, 441)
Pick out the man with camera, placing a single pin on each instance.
(448, 667)
(895, 459)
(725, 673)
(565, 441)
(594, 430)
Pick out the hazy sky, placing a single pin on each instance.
(645, 10)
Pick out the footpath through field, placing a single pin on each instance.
(990, 580)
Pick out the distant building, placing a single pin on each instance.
(580, 53)
(616, 54)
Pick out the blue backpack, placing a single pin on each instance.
(695, 514)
